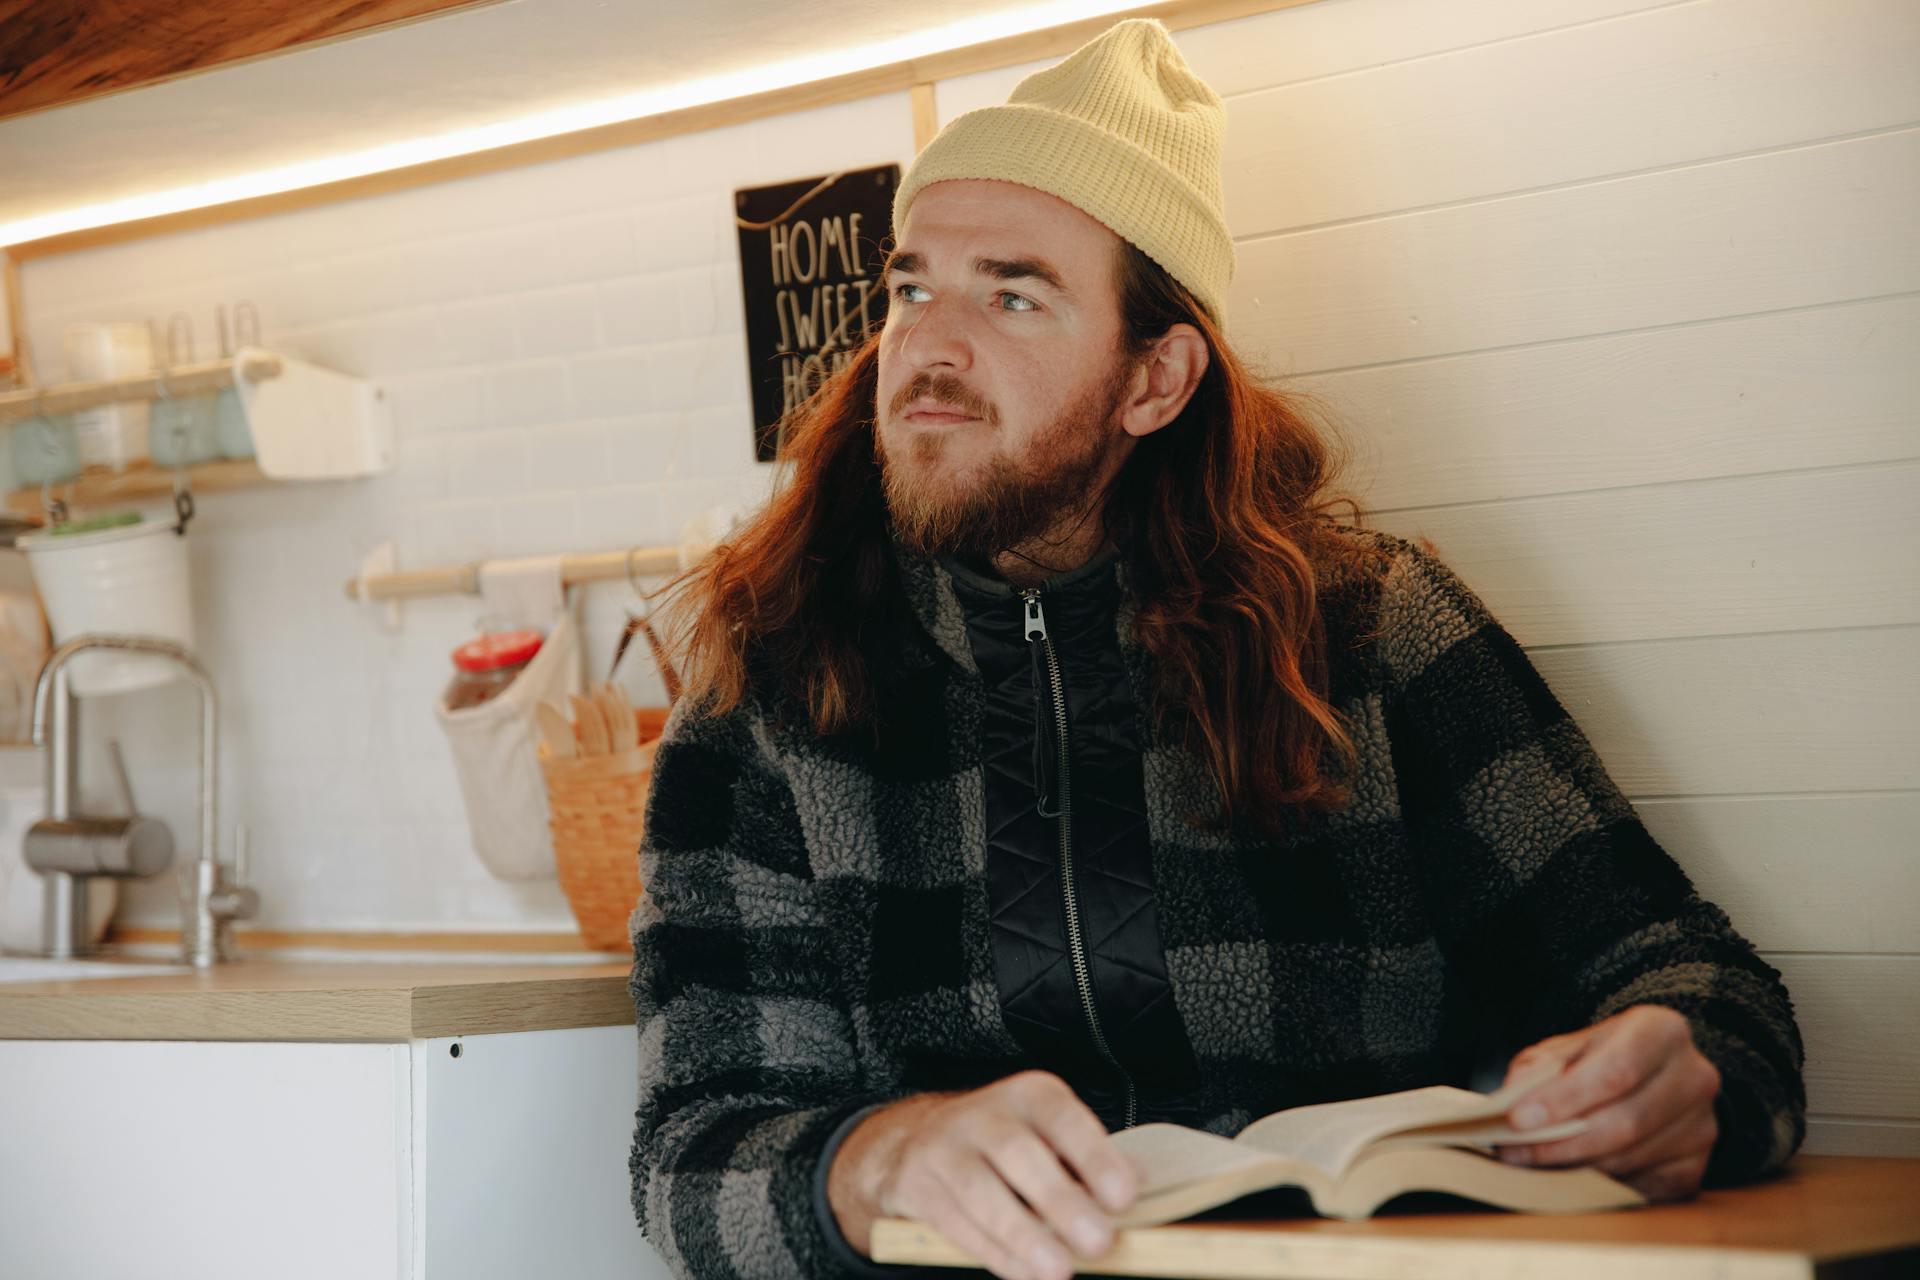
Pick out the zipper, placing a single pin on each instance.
(1048, 687)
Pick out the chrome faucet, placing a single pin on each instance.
(69, 849)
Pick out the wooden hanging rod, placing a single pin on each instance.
(596, 566)
(181, 379)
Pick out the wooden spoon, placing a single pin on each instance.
(591, 725)
(625, 730)
(554, 729)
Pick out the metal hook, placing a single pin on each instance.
(185, 323)
(247, 335)
(160, 385)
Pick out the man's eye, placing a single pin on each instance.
(1026, 303)
(899, 290)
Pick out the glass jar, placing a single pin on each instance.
(484, 666)
(181, 430)
(45, 449)
(231, 433)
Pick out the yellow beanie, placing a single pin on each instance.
(1122, 130)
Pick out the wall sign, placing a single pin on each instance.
(810, 259)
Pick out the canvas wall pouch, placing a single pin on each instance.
(493, 742)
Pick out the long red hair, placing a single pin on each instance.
(1221, 517)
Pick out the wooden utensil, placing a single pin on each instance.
(554, 729)
(591, 725)
(625, 734)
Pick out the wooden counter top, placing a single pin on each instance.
(1838, 1216)
(257, 998)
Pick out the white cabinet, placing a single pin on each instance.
(237, 1159)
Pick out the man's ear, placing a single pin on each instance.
(1159, 387)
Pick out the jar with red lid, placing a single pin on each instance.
(485, 665)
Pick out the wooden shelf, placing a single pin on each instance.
(181, 380)
(306, 422)
(98, 487)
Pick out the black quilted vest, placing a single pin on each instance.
(1077, 955)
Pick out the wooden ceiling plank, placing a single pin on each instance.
(54, 53)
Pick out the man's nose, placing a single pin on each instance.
(936, 336)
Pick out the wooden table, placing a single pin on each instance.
(1826, 1216)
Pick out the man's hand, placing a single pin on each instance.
(964, 1162)
(1647, 1091)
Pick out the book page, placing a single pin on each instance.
(1377, 1177)
(1329, 1135)
(1167, 1155)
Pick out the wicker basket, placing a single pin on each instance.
(596, 809)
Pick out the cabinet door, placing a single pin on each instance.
(520, 1156)
(233, 1159)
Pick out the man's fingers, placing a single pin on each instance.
(1031, 1168)
(1617, 1125)
(1692, 1135)
(1074, 1132)
(1561, 1049)
(997, 1228)
(921, 1193)
(1613, 1065)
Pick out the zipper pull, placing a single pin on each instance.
(1036, 620)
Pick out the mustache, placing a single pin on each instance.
(947, 391)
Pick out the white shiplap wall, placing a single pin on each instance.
(1619, 302)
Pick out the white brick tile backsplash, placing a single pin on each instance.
(374, 346)
(695, 373)
(623, 516)
(568, 457)
(715, 442)
(639, 309)
(707, 301)
(479, 332)
(688, 232)
(540, 525)
(446, 400)
(640, 447)
(611, 382)
(419, 272)
(459, 530)
(557, 322)
(527, 393)
(420, 468)
(543, 255)
(486, 464)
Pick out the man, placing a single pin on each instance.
(1051, 762)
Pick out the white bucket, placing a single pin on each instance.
(130, 580)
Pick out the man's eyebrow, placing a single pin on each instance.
(998, 268)
(1020, 269)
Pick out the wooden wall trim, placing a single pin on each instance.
(926, 115)
(891, 78)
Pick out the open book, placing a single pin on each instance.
(1352, 1157)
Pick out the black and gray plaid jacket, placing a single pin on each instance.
(821, 928)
